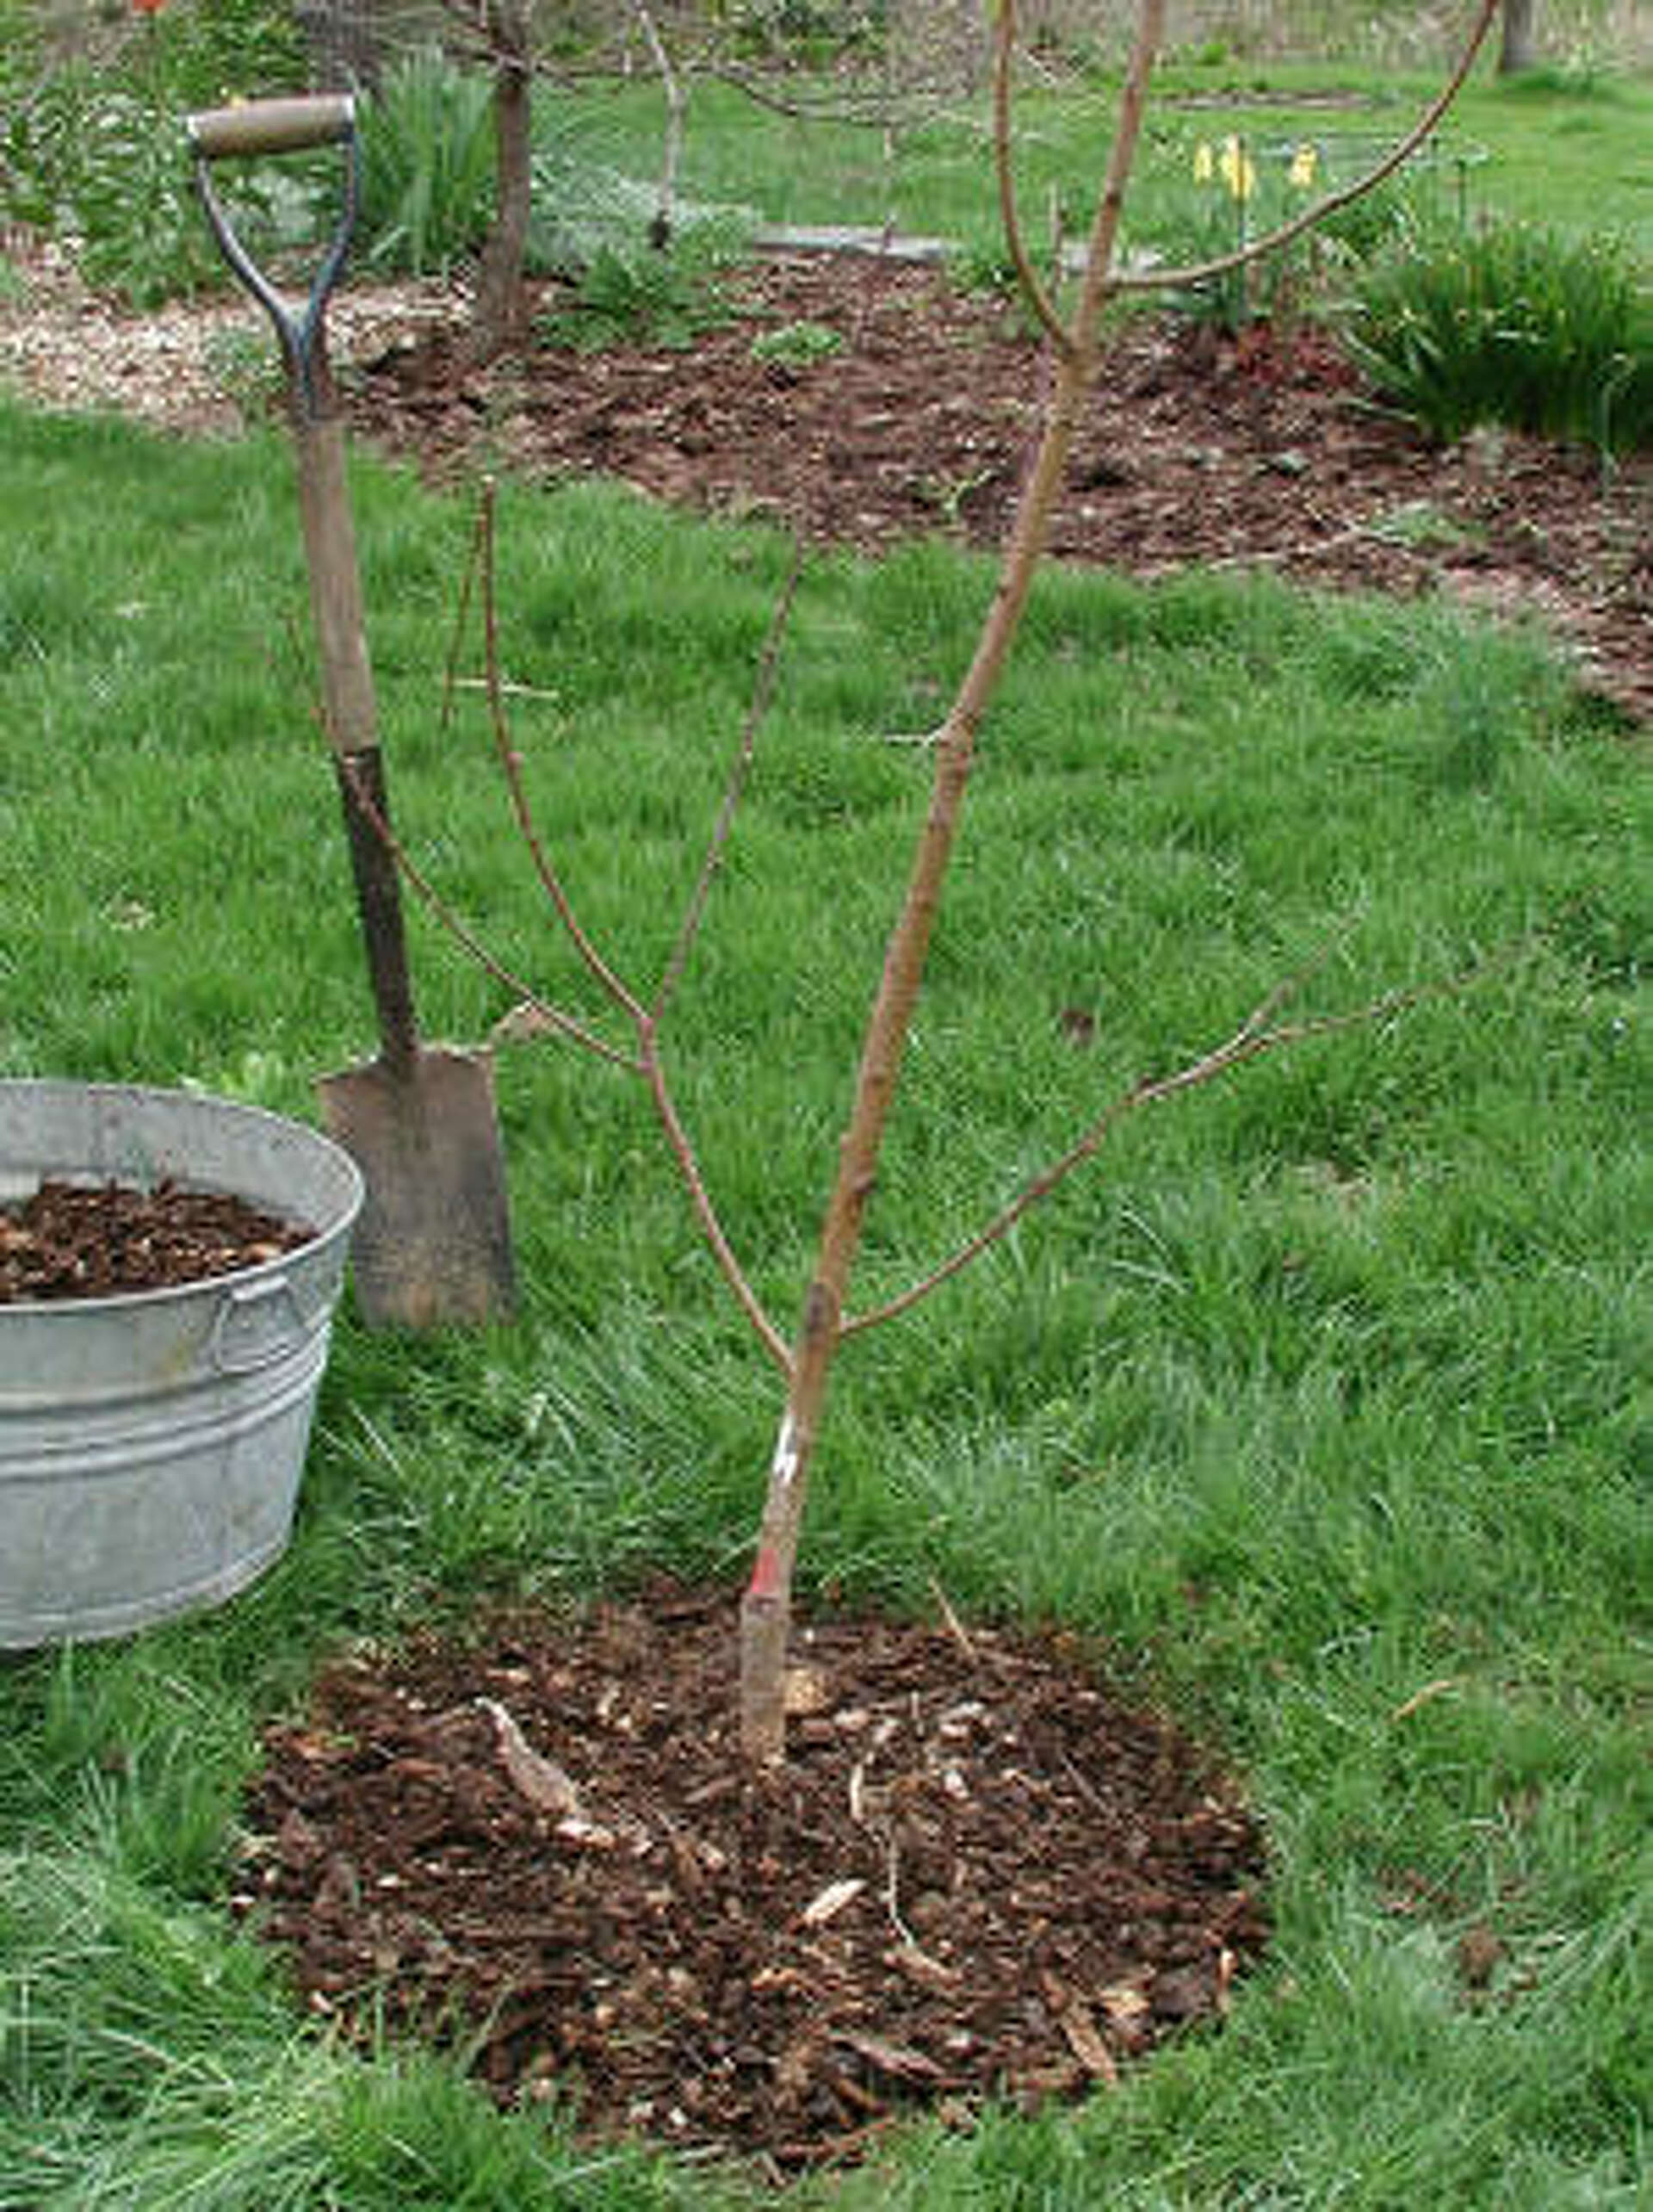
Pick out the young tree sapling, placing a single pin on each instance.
(806, 1359)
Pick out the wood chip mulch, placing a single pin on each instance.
(76, 1241)
(980, 1874)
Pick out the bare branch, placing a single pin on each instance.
(544, 1016)
(761, 694)
(511, 762)
(1253, 1038)
(1003, 46)
(672, 152)
(1099, 280)
(876, 111)
(1158, 280)
(654, 1074)
(451, 679)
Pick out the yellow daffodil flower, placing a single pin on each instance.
(1236, 168)
(1204, 163)
(1304, 163)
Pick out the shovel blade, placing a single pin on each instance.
(432, 1243)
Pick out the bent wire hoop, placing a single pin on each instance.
(297, 334)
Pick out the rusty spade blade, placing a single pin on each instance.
(433, 1240)
(432, 1243)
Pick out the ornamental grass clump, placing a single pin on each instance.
(427, 165)
(1512, 324)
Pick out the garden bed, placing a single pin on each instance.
(1260, 452)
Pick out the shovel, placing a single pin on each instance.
(433, 1240)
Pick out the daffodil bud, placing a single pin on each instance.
(1305, 161)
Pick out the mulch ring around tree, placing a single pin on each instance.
(86, 1241)
(979, 1873)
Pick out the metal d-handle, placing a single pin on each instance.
(243, 1310)
(263, 127)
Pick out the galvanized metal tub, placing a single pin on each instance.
(151, 1444)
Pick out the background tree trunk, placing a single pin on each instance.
(343, 43)
(499, 305)
(1517, 51)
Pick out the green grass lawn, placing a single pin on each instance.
(1327, 1394)
(1551, 148)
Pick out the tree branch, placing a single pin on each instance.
(1160, 280)
(531, 1012)
(1253, 1038)
(672, 152)
(653, 1075)
(511, 762)
(735, 787)
(1004, 45)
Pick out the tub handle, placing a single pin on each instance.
(241, 1303)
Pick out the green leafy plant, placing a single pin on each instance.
(244, 368)
(91, 148)
(427, 165)
(1233, 188)
(1208, 197)
(1509, 322)
(650, 296)
(585, 206)
(798, 344)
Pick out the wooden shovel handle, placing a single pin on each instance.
(255, 127)
(352, 724)
(379, 905)
(335, 586)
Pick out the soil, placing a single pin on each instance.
(979, 1872)
(77, 1240)
(1258, 452)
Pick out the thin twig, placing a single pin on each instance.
(511, 762)
(1158, 280)
(1045, 309)
(1442, 1686)
(676, 1137)
(672, 152)
(955, 1627)
(507, 689)
(892, 1896)
(1249, 1042)
(879, 111)
(452, 680)
(762, 692)
(546, 1016)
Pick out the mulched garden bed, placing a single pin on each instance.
(1262, 451)
(979, 1873)
(78, 1240)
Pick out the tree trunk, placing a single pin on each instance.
(343, 44)
(1517, 52)
(497, 307)
(765, 1612)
